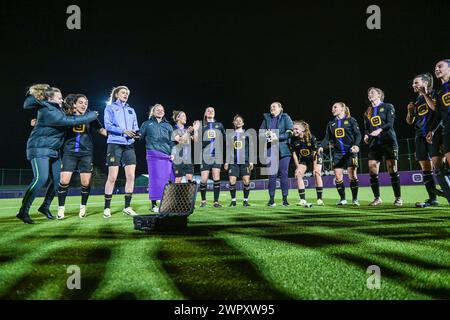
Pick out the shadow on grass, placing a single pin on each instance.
(53, 268)
(408, 233)
(417, 262)
(399, 277)
(212, 269)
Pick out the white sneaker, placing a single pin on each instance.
(320, 202)
(356, 203)
(107, 213)
(60, 214)
(342, 203)
(302, 202)
(82, 213)
(155, 209)
(398, 202)
(129, 212)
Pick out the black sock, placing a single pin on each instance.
(203, 190)
(301, 193)
(108, 198)
(319, 191)
(395, 181)
(154, 203)
(284, 198)
(62, 194)
(246, 191)
(216, 190)
(85, 191)
(375, 185)
(341, 189)
(233, 192)
(354, 186)
(430, 185)
(272, 199)
(128, 199)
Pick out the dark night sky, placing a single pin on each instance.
(236, 56)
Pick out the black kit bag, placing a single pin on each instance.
(176, 205)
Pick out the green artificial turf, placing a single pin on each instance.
(232, 253)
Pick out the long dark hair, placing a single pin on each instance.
(69, 102)
(204, 115)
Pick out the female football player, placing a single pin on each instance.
(304, 152)
(44, 144)
(421, 116)
(122, 126)
(182, 162)
(241, 165)
(213, 136)
(382, 140)
(78, 153)
(343, 132)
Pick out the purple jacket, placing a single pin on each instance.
(118, 118)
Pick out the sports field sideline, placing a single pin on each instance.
(232, 253)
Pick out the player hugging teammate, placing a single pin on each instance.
(78, 153)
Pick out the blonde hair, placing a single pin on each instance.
(346, 109)
(152, 109)
(38, 90)
(114, 91)
(305, 125)
(279, 105)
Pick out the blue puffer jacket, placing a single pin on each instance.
(47, 136)
(157, 135)
(285, 126)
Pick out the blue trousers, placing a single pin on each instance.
(45, 170)
(283, 172)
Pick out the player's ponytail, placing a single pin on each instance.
(308, 134)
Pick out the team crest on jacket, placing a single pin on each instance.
(422, 109)
(446, 99)
(211, 134)
(346, 122)
(305, 152)
(381, 109)
(339, 133)
(375, 121)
